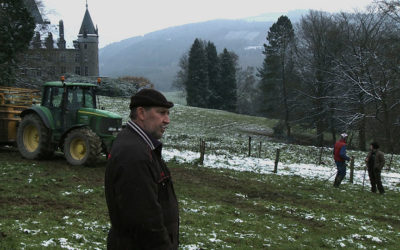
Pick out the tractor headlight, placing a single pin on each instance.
(111, 129)
(114, 131)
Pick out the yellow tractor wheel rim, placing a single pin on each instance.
(77, 149)
(31, 138)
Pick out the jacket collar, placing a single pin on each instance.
(153, 143)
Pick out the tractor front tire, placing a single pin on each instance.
(33, 138)
(82, 147)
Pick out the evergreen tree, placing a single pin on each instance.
(228, 62)
(277, 71)
(215, 99)
(197, 83)
(16, 31)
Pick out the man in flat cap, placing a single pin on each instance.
(140, 196)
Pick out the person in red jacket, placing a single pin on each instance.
(339, 154)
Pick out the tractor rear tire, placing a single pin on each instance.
(33, 138)
(82, 147)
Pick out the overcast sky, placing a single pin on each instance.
(121, 19)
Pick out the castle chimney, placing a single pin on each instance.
(61, 40)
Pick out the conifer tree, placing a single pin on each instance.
(197, 83)
(277, 71)
(228, 80)
(16, 31)
(215, 98)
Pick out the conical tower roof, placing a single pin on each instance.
(87, 26)
(33, 9)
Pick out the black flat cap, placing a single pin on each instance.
(149, 98)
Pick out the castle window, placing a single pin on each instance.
(38, 72)
(86, 71)
(85, 46)
(62, 57)
(52, 70)
(78, 70)
(77, 57)
(63, 70)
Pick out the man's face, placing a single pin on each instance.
(155, 121)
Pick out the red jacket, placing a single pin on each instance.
(339, 151)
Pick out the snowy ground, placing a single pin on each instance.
(391, 179)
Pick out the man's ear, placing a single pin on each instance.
(141, 113)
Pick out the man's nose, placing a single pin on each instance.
(166, 119)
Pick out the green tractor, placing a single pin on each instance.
(68, 118)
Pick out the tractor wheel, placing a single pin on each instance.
(33, 138)
(82, 147)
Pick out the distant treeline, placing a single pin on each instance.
(329, 72)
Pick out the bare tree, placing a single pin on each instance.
(390, 8)
(316, 48)
(369, 66)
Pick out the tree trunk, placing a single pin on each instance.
(361, 126)
(388, 134)
(285, 98)
(361, 135)
(333, 132)
(320, 134)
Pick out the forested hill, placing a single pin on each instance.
(156, 55)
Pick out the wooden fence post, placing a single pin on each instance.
(249, 146)
(390, 163)
(351, 169)
(320, 156)
(259, 150)
(276, 160)
(202, 151)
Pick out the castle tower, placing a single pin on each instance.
(61, 41)
(88, 46)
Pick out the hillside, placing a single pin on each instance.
(156, 55)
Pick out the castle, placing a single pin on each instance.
(47, 60)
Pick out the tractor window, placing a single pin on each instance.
(75, 99)
(55, 96)
(79, 96)
(46, 97)
(89, 101)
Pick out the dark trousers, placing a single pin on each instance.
(341, 173)
(375, 178)
(341, 168)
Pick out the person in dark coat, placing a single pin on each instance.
(375, 161)
(340, 157)
(140, 196)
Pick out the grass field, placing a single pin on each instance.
(232, 201)
(51, 204)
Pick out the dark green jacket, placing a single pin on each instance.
(141, 200)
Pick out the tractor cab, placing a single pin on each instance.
(64, 100)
